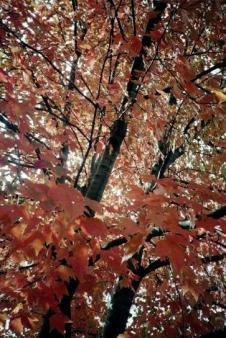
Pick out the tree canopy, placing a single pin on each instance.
(112, 179)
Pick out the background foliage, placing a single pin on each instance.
(112, 168)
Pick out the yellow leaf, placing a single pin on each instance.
(220, 95)
(17, 308)
(84, 45)
(223, 171)
(18, 230)
(37, 245)
(3, 317)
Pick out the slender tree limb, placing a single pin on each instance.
(213, 259)
(219, 65)
(156, 264)
(114, 243)
(132, 4)
(39, 52)
(117, 18)
(13, 127)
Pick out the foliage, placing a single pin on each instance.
(112, 168)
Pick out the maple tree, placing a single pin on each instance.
(112, 177)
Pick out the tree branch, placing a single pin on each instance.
(218, 213)
(209, 70)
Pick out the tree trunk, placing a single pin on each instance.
(122, 299)
(118, 314)
(102, 168)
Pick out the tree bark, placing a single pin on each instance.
(102, 168)
(122, 299)
(118, 314)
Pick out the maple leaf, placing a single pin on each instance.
(132, 246)
(18, 230)
(93, 227)
(189, 288)
(79, 261)
(129, 227)
(3, 76)
(113, 260)
(170, 247)
(207, 224)
(94, 205)
(28, 321)
(189, 285)
(57, 322)
(37, 245)
(36, 191)
(133, 46)
(99, 147)
(185, 70)
(16, 325)
(103, 65)
(65, 272)
(3, 318)
(135, 192)
(156, 35)
(68, 198)
(41, 164)
(60, 290)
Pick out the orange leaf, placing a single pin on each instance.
(16, 325)
(220, 95)
(169, 247)
(18, 230)
(79, 261)
(135, 192)
(3, 317)
(93, 227)
(132, 246)
(65, 272)
(129, 226)
(68, 198)
(37, 245)
(187, 288)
